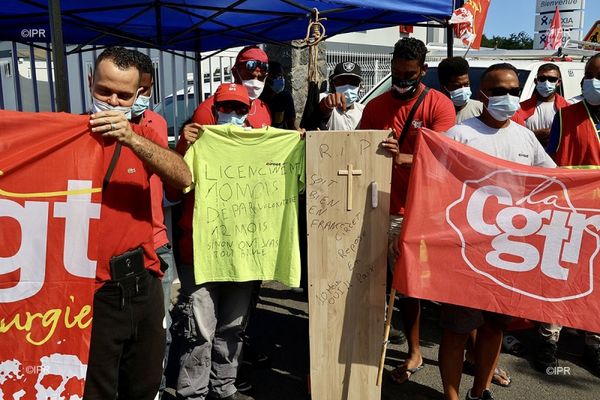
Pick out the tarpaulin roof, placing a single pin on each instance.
(202, 25)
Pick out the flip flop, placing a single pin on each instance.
(399, 372)
(500, 378)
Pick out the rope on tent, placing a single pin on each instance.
(315, 33)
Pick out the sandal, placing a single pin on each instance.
(402, 374)
(512, 345)
(500, 378)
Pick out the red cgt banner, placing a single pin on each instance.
(50, 183)
(491, 234)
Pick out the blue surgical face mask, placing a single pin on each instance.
(591, 91)
(350, 93)
(99, 105)
(502, 108)
(141, 104)
(231, 118)
(545, 89)
(278, 84)
(460, 96)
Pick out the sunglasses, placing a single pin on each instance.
(228, 107)
(252, 65)
(499, 91)
(552, 79)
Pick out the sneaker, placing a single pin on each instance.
(591, 356)
(238, 396)
(545, 355)
(486, 395)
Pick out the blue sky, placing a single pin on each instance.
(513, 16)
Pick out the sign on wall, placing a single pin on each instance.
(548, 6)
(568, 19)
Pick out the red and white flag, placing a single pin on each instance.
(469, 20)
(555, 33)
(495, 235)
(51, 170)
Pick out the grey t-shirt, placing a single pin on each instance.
(513, 143)
(472, 109)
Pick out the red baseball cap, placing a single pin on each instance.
(232, 92)
(251, 53)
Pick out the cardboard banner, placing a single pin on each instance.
(348, 181)
(469, 21)
(51, 169)
(495, 235)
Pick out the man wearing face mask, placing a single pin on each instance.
(128, 338)
(453, 74)
(250, 70)
(493, 133)
(575, 142)
(340, 107)
(210, 356)
(279, 99)
(143, 116)
(406, 108)
(539, 110)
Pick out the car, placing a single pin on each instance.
(571, 71)
(166, 109)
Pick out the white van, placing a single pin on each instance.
(571, 71)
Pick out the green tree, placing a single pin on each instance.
(519, 40)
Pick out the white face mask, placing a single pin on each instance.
(545, 89)
(231, 118)
(254, 88)
(99, 105)
(141, 104)
(350, 93)
(591, 91)
(460, 96)
(502, 108)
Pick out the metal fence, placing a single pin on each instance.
(374, 66)
(27, 79)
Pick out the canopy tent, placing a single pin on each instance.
(196, 25)
(203, 25)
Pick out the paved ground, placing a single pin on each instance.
(279, 328)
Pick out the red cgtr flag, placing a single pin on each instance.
(51, 171)
(469, 21)
(495, 235)
(555, 33)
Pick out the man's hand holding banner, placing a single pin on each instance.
(51, 171)
(491, 234)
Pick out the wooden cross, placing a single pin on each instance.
(349, 173)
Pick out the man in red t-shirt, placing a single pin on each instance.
(250, 69)
(219, 308)
(143, 116)
(575, 143)
(390, 111)
(127, 343)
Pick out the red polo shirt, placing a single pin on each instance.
(436, 112)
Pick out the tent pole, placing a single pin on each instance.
(450, 39)
(59, 57)
(199, 81)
